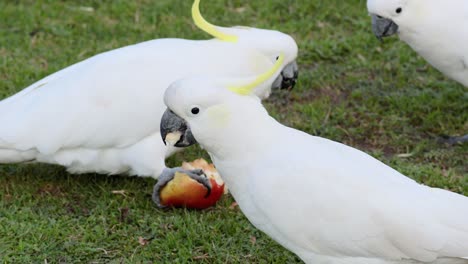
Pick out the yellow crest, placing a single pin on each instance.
(207, 27)
(248, 88)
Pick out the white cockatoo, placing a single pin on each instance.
(437, 30)
(102, 114)
(325, 201)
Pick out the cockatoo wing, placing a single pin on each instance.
(339, 201)
(115, 98)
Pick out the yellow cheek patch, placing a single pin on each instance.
(258, 62)
(219, 115)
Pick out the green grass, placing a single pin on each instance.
(381, 98)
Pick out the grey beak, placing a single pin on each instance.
(288, 77)
(383, 27)
(170, 122)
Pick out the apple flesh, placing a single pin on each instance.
(183, 191)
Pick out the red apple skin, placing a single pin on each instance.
(183, 191)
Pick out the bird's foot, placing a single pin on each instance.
(168, 175)
(454, 140)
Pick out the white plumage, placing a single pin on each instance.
(102, 114)
(437, 30)
(324, 201)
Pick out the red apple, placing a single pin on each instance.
(183, 191)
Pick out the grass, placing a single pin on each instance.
(381, 98)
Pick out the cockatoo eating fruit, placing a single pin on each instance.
(325, 201)
(184, 191)
(437, 30)
(102, 114)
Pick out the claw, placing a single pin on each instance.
(453, 140)
(168, 175)
(202, 179)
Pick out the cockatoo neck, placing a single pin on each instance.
(247, 132)
(425, 20)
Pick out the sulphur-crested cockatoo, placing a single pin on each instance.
(437, 30)
(102, 114)
(325, 201)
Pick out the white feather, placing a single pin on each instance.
(436, 30)
(325, 201)
(103, 114)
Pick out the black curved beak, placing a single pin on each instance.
(288, 77)
(383, 27)
(170, 123)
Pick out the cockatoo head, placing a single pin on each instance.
(209, 110)
(268, 42)
(389, 15)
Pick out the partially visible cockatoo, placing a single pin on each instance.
(437, 30)
(102, 114)
(325, 201)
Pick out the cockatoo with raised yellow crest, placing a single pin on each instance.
(102, 114)
(437, 30)
(326, 202)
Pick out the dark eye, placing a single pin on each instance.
(380, 17)
(195, 110)
(277, 57)
(398, 10)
